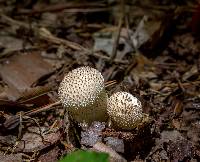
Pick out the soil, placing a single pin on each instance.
(150, 49)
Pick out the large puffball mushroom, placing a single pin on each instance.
(82, 92)
(124, 110)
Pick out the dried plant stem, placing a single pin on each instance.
(114, 50)
(14, 121)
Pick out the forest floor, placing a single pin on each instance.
(148, 48)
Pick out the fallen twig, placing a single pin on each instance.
(60, 7)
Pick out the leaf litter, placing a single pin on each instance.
(148, 48)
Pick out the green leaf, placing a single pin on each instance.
(85, 156)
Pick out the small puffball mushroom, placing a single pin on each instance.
(82, 92)
(124, 110)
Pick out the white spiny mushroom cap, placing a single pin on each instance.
(125, 110)
(82, 92)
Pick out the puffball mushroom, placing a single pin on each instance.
(82, 92)
(124, 110)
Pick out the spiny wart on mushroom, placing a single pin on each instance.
(125, 111)
(82, 92)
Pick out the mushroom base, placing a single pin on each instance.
(95, 111)
(126, 124)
